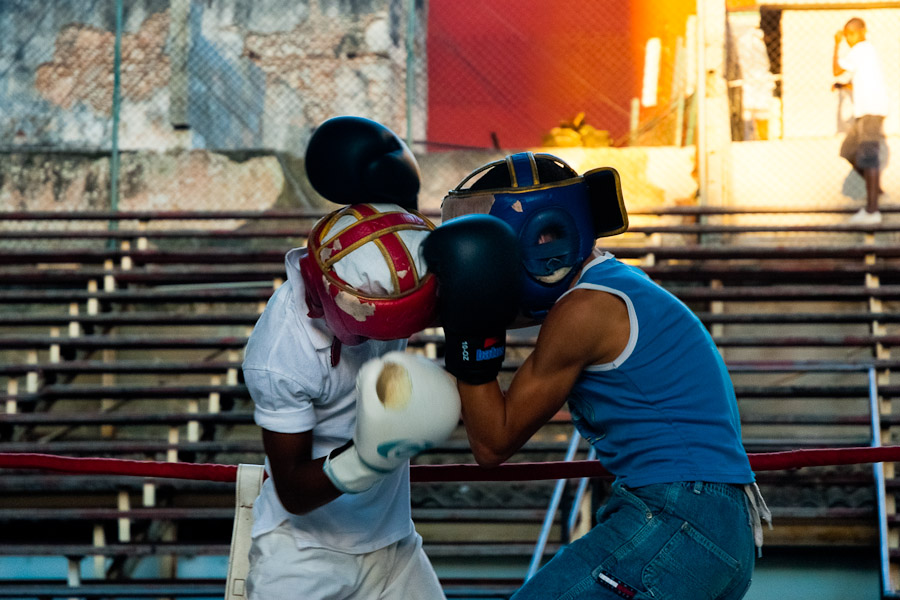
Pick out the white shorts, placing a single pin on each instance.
(279, 570)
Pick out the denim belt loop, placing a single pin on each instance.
(698, 487)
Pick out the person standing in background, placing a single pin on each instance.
(862, 145)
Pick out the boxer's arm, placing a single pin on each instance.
(406, 404)
(583, 328)
(299, 480)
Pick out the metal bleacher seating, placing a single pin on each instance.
(121, 336)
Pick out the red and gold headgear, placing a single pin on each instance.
(364, 275)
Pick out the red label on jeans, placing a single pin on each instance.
(616, 585)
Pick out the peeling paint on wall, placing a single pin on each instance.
(82, 65)
(259, 74)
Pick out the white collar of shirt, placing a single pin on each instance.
(605, 256)
(319, 333)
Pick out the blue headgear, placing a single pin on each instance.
(556, 213)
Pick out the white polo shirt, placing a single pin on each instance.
(287, 368)
(870, 95)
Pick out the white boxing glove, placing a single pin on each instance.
(405, 404)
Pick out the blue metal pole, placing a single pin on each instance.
(579, 494)
(538, 553)
(875, 415)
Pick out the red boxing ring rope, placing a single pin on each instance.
(529, 471)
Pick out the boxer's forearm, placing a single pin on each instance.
(299, 481)
(484, 415)
(498, 424)
(306, 489)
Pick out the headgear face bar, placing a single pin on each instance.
(556, 213)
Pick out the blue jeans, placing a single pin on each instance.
(669, 541)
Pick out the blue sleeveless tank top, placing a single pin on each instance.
(664, 410)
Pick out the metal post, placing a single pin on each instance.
(700, 95)
(884, 550)
(410, 68)
(116, 107)
(713, 121)
(180, 44)
(538, 553)
(579, 494)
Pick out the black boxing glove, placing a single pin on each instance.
(351, 160)
(476, 260)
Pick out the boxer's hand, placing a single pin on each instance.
(351, 160)
(405, 404)
(476, 260)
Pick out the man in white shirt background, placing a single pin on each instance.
(864, 142)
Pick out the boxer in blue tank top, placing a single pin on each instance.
(664, 409)
(642, 378)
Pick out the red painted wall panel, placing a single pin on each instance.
(517, 68)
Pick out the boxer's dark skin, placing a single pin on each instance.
(584, 327)
(299, 479)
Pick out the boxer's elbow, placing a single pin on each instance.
(296, 505)
(489, 462)
(301, 495)
(489, 455)
(297, 510)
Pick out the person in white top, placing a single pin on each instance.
(333, 519)
(863, 143)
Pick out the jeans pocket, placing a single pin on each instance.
(638, 502)
(689, 567)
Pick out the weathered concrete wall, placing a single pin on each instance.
(651, 176)
(803, 173)
(806, 173)
(193, 180)
(252, 73)
(200, 180)
(766, 174)
(260, 74)
(178, 180)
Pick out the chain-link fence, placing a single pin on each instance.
(208, 104)
(247, 76)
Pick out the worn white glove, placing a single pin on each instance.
(405, 404)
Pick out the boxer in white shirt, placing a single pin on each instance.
(342, 407)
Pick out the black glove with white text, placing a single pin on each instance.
(476, 260)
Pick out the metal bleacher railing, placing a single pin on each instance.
(132, 349)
